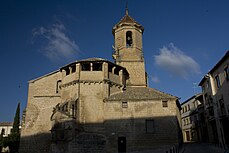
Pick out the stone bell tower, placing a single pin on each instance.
(128, 49)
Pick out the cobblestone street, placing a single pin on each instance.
(201, 148)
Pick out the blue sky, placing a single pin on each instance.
(182, 41)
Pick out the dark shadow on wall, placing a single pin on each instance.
(111, 136)
(223, 105)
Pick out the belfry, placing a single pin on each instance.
(128, 49)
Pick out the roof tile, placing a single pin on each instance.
(140, 93)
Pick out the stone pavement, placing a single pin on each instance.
(190, 148)
(162, 149)
(201, 148)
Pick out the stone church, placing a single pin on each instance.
(98, 106)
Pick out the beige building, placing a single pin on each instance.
(95, 105)
(193, 120)
(215, 88)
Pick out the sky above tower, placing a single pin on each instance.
(182, 41)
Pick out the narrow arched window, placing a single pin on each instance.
(129, 39)
(58, 86)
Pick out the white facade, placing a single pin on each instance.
(5, 128)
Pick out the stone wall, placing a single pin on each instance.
(42, 97)
(131, 57)
(131, 123)
(52, 127)
(137, 73)
(91, 103)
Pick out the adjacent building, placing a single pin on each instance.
(5, 128)
(193, 119)
(215, 89)
(95, 105)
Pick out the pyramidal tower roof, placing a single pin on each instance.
(127, 20)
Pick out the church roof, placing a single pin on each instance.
(140, 93)
(127, 20)
(92, 59)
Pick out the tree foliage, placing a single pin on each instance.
(13, 139)
(1, 142)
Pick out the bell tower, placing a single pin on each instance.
(128, 49)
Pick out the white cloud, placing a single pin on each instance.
(155, 79)
(176, 62)
(57, 44)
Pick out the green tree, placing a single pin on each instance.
(3, 142)
(13, 139)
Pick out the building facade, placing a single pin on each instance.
(5, 128)
(95, 105)
(193, 119)
(215, 88)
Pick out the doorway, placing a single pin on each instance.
(121, 144)
(187, 135)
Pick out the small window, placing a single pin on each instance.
(188, 107)
(194, 104)
(97, 66)
(116, 71)
(58, 86)
(217, 81)
(164, 103)
(207, 84)
(203, 88)
(226, 73)
(67, 71)
(149, 123)
(85, 67)
(110, 68)
(73, 69)
(129, 41)
(124, 104)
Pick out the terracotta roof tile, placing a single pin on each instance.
(140, 93)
